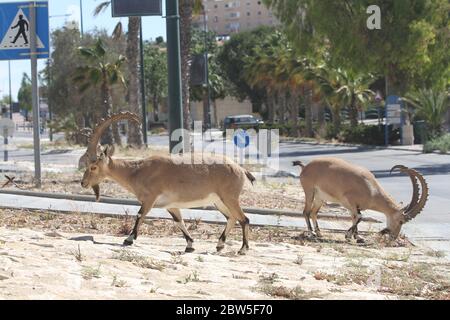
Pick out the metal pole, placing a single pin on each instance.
(144, 105)
(81, 18)
(35, 97)
(50, 115)
(208, 93)
(10, 94)
(174, 69)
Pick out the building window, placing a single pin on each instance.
(259, 2)
(248, 14)
(259, 13)
(216, 6)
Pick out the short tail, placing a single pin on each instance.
(250, 177)
(298, 164)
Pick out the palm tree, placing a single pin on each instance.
(432, 105)
(100, 72)
(187, 9)
(132, 54)
(353, 92)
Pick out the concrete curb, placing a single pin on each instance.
(350, 145)
(121, 201)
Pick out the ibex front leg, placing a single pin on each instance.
(145, 208)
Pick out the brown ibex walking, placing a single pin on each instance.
(356, 189)
(170, 184)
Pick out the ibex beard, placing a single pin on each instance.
(161, 181)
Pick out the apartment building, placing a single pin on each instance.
(231, 16)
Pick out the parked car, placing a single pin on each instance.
(241, 122)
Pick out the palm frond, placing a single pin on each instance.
(101, 7)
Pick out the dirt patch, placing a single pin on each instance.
(72, 256)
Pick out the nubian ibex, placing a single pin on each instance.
(356, 189)
(166, 182)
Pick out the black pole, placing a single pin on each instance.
(208, 93)
(174, 70)
(10, 94)
(144, 106)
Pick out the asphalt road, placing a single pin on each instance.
(432, 227)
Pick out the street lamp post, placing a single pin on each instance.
(174, 72)
(81, 18)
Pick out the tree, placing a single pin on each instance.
(24, 95)
(232, 62)
(187, 8)
(99, 72)
(155, 66)
(132, 54)
(413, 39)
(217, 87)
(431, 105)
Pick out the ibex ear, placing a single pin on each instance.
(109, 151)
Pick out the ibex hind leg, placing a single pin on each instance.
(236, 212)
(176, 215)
(314, 212)
(309, 199)
(231, 222)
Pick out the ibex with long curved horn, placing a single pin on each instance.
(162, 181)
(356, 189)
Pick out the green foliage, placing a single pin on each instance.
(218, 84)
(25, 93)
(431, 105)
(367, 134)
(411, 47)
(441, 143)
(155, 66)
(232, 63)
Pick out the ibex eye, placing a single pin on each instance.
(93, 168)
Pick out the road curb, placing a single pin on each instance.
(122, 201)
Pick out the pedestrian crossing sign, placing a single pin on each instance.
(15, 30)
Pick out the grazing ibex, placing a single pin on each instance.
(162, 181)
(356, 189)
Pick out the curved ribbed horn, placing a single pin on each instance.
(100, 128)
(415, 196)
(413, 211)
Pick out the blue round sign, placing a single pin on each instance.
(241, 139)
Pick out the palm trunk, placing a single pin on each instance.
(134, 130)
(336, 114)
(353, 112)
(155, 109)
(116, 134)
(308, 113)
(185, 10)
(293, 111)
(216, 120)
(107, 137)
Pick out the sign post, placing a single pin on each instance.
(393, 115)
(24, 34)
(7, 128)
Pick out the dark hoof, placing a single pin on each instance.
(360, 240)
(127, 242)
(189, 250)
(242, 252)
(220, 248)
